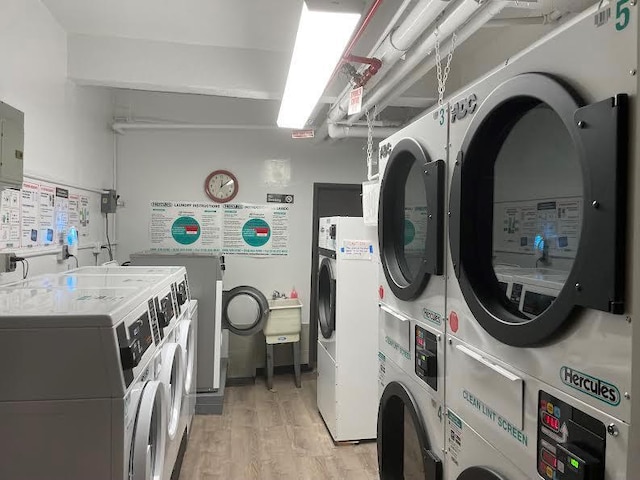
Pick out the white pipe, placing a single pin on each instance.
(394, 47)
(123, 126)
(391, 86)
(343, 131)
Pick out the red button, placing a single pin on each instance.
(453, 322)
(381, 292)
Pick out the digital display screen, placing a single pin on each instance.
(551, 421)
(574, 463)
(536, 303)
(549, 458)
(167, 306)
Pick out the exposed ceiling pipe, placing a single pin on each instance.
(549, 18)
(394, 46)
(343, 131)
(121, 127)
(415, 67)
(447, 27)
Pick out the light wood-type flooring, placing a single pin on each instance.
(275, 434)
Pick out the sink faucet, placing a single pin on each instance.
(276, 295)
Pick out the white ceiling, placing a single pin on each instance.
(253, 24)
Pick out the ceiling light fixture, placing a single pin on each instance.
(323, 33)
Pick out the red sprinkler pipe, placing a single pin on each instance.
(367, 20)
(375, 64)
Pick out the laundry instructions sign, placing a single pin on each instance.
(230, 229)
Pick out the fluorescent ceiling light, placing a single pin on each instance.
(321, 39)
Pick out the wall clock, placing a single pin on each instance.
(221, 186)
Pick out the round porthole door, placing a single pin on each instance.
(172, 378)
(410, 219)
(479, 473)
(537, 208)
(326, 299)
(244, 310)
(404, 452)
(186, 339)
(147, 456)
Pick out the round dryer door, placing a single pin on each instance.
(479, 473)
(404, 452)
(410, 223)
(537, 209)
(326, 298)
(148, 448)
(171, 376)
(186, 340)
(244, 310)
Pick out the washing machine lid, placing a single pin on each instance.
(244, 310)
(479, 473)
(326, 298)
(411, 219)
(404, 451)
(149, 438)
(527, 119)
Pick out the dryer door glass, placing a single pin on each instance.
(245, 310)
(537, 210)
(410, 219)
(147, 456)
(403, 445)
(326, 299)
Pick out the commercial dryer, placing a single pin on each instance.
(541, 158)
(411, 239)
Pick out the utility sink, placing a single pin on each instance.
(285, 320)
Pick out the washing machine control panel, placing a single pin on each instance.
(426, 348)
(571, 444)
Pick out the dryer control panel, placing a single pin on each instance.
(426, 348)
(571, 444)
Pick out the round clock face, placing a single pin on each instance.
(221, 186)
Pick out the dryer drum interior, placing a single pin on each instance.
(326, 298)
(404, 451)
(244, 310)
(539, 183)
(410, 222)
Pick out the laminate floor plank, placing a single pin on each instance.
(273, 434)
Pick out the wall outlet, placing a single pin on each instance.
(7, 262)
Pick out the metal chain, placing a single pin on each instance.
(370, 120)
(443, 75)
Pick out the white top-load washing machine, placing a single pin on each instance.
(347, 340)
(411, 221)
(540, 349)
(92, 380)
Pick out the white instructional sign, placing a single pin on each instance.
(529, 225)
(30, 214)
(233, 229)
(356, 250)
(10, 219)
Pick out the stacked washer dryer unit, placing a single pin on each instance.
(88, 378)
(412, 300)
(540, 343)
(346, 389)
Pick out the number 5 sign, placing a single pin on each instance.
(623, 14)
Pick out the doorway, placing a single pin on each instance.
(329, 200)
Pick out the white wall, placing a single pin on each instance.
(66, 127)
(174, 165)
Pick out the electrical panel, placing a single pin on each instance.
(426, 348)
(109, 202)
(11, 147)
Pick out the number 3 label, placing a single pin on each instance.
(622, 14)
